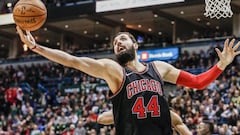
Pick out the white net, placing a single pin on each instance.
(218, 9)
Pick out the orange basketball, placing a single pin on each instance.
(29, 14)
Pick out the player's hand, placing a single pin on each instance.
(230, 50)
(26, 39)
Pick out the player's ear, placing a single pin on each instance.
(135, 45)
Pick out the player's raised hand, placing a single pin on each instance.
(26, 38)
(230, 50)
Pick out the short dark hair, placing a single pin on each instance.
(210, 126)
(127, 33)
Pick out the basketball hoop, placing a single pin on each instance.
(218, 9)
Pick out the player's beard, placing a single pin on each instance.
(124, 57)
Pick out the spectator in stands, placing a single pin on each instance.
(80, 130)
(205, 128)
(225, 130)
(230, 115)
(11, 96)
(35, 130)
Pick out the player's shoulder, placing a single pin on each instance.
(163, 67)
(159, 63)
(110, 63)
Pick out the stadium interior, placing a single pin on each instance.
(82, 27)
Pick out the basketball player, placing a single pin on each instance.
(139, 106)
(106, 118)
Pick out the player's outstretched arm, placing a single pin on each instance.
(173, 75)
(103, 68)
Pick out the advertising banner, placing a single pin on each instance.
(158, 54)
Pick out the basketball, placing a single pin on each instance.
(29, 14)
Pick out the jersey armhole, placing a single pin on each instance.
(111, 95)
(155, 69)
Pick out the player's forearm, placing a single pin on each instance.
(199, 81)
(105, 120)
(54, 55)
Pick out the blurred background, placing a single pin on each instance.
(41, 97)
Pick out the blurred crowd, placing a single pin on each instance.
(33, 103)
(219, 103)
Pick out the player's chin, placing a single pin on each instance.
(121, 52)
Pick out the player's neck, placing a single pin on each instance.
(135, 65)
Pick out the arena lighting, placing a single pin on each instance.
(9, 5)
(66, 26)
(111, 5)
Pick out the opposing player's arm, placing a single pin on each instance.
(106, 118)
(178, 124)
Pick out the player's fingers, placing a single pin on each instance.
(28, 32)
(218, 53)
(237, 53)
(20, 32)
(236, 46)
(30, 35)
(225, 44)
(231, 43)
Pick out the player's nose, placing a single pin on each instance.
(119, 43)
